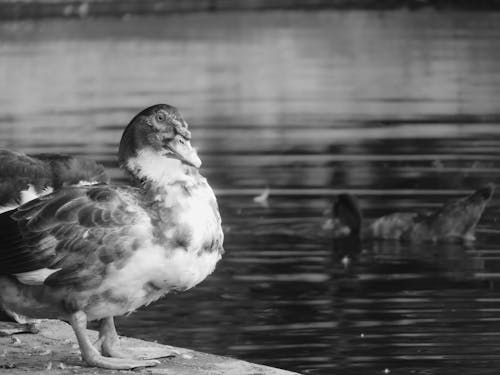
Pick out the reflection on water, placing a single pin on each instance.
(399, 108)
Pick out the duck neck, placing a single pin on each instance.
(155, 172)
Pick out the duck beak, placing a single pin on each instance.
(180, 148)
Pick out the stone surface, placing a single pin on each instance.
(53, 350)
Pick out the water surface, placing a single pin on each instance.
(400, 108)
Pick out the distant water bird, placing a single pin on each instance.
(26, 177)
(454, 221)
(263, 198)
(346, 261)
(438, 164)
(93, 252)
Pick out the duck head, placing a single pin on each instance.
(346, 217)
(156, 145)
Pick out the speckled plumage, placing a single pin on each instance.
(94, 252)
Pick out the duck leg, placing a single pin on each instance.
(93, 357)
(110, 344)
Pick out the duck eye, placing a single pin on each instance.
(160, 116)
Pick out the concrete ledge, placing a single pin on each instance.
(53, 350)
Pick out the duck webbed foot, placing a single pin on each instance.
(92, 356)
(11, 323)
(11, 328)
(110, 344)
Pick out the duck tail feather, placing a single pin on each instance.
(483, 194)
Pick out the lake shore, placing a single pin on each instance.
(38, 9)
(54, 350)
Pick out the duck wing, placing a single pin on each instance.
(392, 226)
(71, 236)
(24, 177)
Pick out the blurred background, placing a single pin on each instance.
(394, 101)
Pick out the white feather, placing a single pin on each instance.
(262, 199)
(29, 194)
(8, 207)
(155, 167)
(36, 277)
(181, 270)
(25, 196)
(86, 183)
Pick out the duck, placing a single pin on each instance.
(93, 252)
(25, 177)
(454, 221)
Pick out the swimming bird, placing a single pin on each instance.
(453, 221)
(86, 253)
(25, 177)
